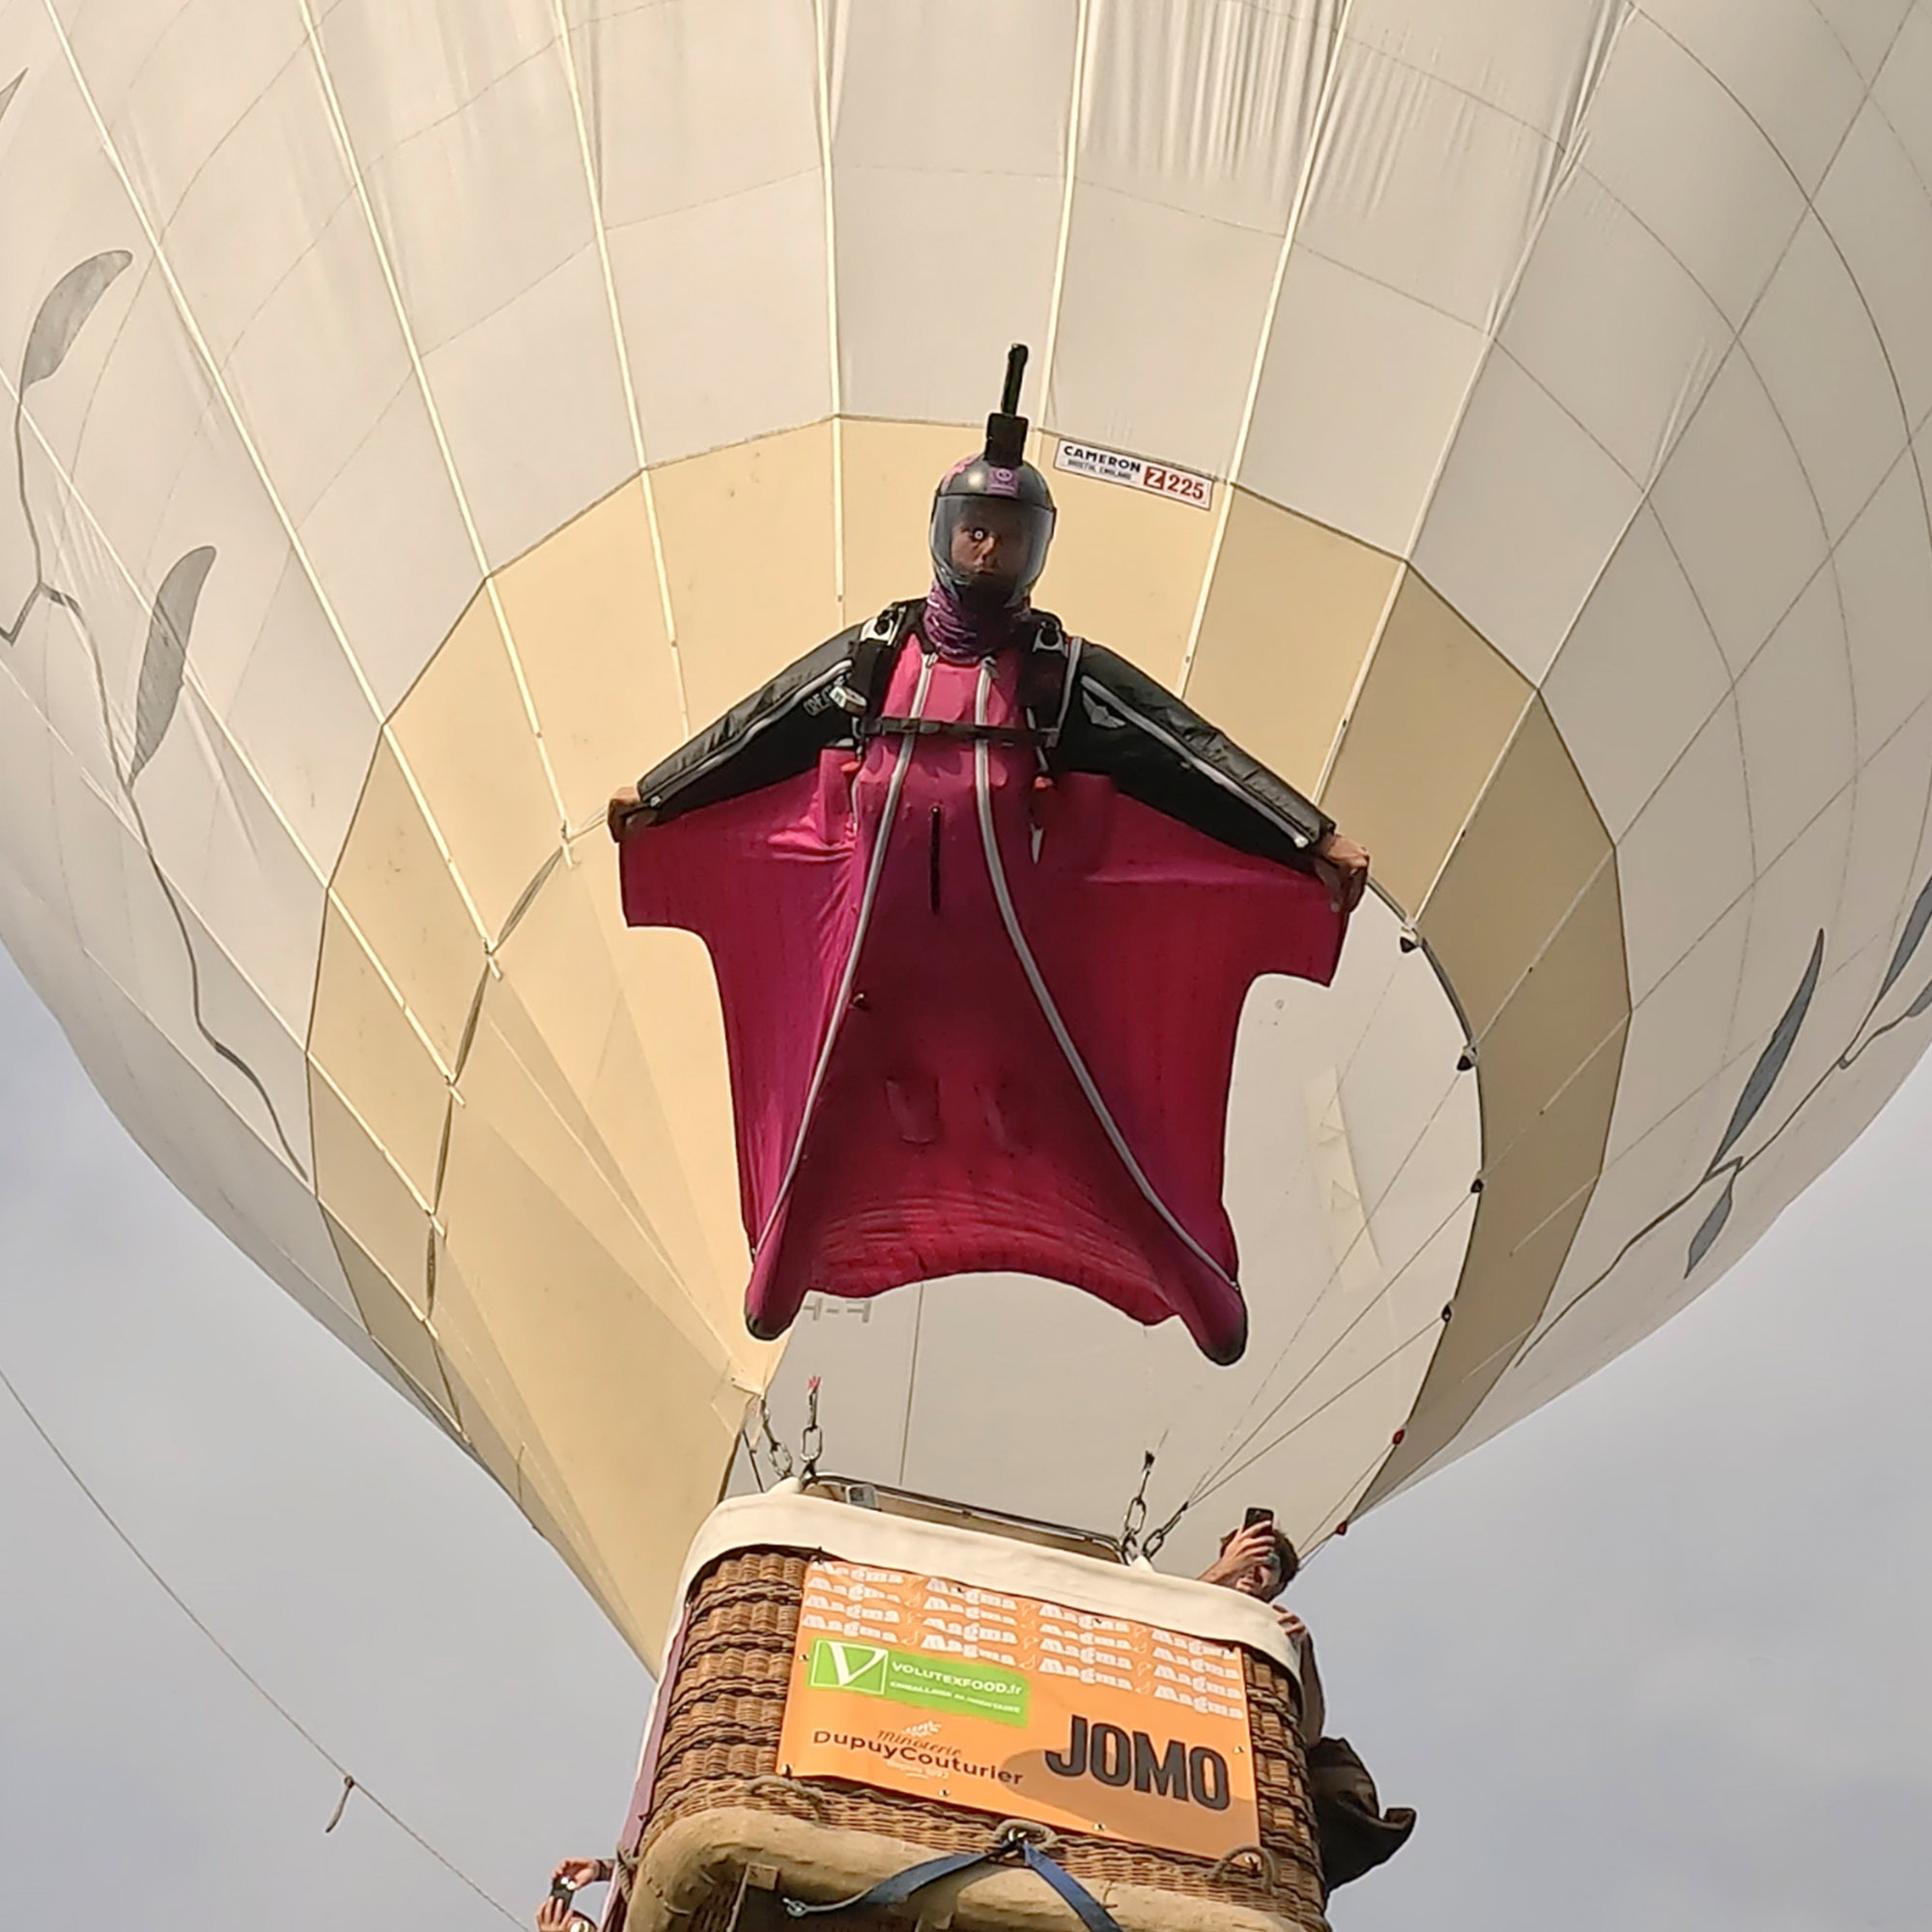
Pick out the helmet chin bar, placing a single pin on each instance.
(986, 595)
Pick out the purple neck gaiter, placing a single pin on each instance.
(961, 635)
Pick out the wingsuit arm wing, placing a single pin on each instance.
(1163, 752)
(775, 733)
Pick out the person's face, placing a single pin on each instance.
(989, 543)
(1262, 1579)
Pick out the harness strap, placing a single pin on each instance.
(1050, 640)
(902, 1886)
(862, 687)
(877, 647)
(940, 728)
(1075, 647)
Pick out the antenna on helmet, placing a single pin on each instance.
(1005, 427)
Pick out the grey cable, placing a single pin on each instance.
(281, 1710)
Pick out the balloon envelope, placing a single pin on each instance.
(1500, 416)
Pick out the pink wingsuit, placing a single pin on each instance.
(978, 1019)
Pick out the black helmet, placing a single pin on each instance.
(1001, 491)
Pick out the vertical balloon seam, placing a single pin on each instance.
(821, 74)
(1069, 170)
(593, 189)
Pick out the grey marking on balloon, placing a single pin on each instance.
(8, 92)
(57, 325)
(63, 313)
(165, 662)
(1712, 1224)
(1758, 1087)
(1915, 923)
(1919, 1007)
(1778, 1050)
(217, 1044)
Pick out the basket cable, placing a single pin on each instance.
(349, 1782)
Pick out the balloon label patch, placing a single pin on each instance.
(1114, 466)
(1024, 1708)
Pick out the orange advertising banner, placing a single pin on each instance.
(1020, 1708)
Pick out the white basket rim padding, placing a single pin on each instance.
(783, 1519)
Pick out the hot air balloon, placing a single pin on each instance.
(1503, 418)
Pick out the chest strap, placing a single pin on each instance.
(962, 729)
(863, 687)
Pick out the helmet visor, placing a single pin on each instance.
(989, 550)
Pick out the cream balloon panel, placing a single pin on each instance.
(1438, 153)
(1625, 310)
(708, 147)
(523, 1147)
(1175, 225)
(443, 110)
(939, 266)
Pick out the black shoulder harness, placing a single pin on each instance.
(1047, 680)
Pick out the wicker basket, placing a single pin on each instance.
(724, 1830)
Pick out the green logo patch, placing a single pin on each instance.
(849, 1666)
(912, 1677)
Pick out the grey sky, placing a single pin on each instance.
(1655, 1658)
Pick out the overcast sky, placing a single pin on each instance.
(1656, 1658)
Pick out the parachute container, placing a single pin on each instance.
(1503, 417)
(849, 1693)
